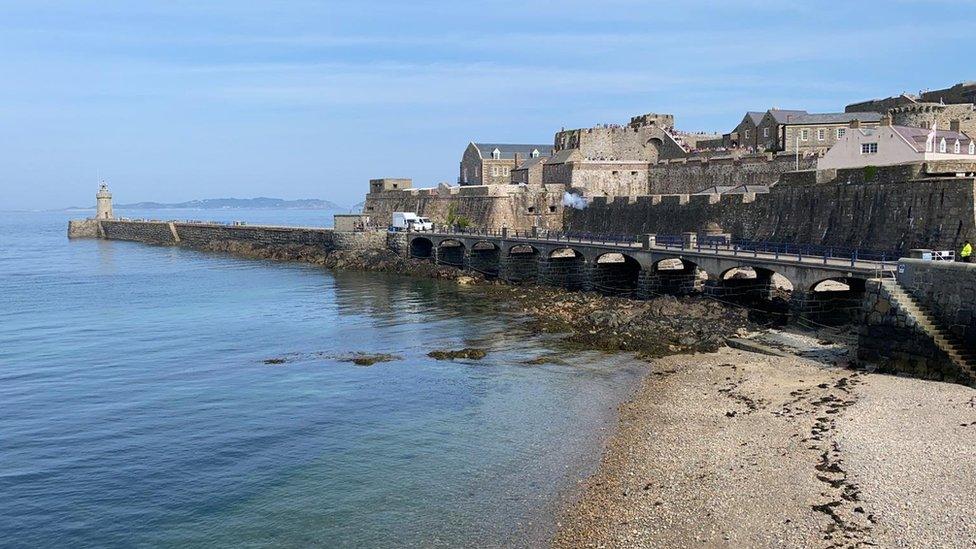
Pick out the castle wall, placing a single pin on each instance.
(925, 115)
(513, 206)
(201, 234)
(84, 228)
(691, 175)
(882, 215)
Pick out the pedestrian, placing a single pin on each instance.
(966, 253)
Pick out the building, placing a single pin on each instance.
(888, 145)
(745, 135)
(929, 115)
(769, 130)
(529, 172)
(389, 184)
(817, 133)
(492, 163)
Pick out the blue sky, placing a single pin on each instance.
(178, 100)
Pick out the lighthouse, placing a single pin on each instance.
(104, 203)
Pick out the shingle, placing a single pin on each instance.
(835, 118)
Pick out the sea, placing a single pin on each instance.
(138, 407)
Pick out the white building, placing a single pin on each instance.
(891, 145)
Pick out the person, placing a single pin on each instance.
(966, 253)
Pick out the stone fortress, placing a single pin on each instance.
(760, 180)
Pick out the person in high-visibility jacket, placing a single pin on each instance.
(966, 254)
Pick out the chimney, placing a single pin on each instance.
(954, 125)
(518, 159)
(855, 123)
(886, 120)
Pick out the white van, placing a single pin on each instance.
(410, 221)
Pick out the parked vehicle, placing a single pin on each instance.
(410, 221)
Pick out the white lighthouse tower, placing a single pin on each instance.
(104, 203)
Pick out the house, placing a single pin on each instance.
(815, 133)
(529, 171)
(745, 135)
(889, 145)
(492, 163)
(769, 130)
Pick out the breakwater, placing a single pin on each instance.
(921, 331)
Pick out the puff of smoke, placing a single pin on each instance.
(576, 201)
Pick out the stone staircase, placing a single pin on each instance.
(962, 357)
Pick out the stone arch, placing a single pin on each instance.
(485, 258)
(451, 252)
(421, 248)
(522, 263)
(564, 267)
(616, 273)
(766, 292)
(657, 145)
(673, 275)
(831, 301)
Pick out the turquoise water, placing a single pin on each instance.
(136, 409)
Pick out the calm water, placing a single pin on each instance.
(135, 407)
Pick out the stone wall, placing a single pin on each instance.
(892, 342)
(84, 228)
(892, 216)
(513, 206)
(687, 176)
(201, 234)
(148, 232)
(948, 291)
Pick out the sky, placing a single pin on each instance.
(180, 100)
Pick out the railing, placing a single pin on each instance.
(786, 251)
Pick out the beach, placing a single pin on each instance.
(737, 449)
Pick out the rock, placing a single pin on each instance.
(465, 280)
(468, 353)
(366, 359)
(275, 361)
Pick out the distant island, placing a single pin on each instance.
(260, 203)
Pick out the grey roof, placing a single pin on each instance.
(835, 118)
(755, 116)
(782, 116)
(919, 136)
(717, 189)
(745, 189)
(531, 162)
(508, 150)
(562, 156)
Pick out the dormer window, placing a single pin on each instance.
(535, 153)
(957, 148)
(972, 147)
(496, 154)
(942, 145)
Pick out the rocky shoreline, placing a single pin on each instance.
(721, 447)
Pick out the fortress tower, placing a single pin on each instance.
(104, 203)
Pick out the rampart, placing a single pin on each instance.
(514, 206)
(691, 175)
(894, 212)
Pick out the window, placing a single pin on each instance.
(494, 171)
(505, 171)
(747, 134)
(535, 153)
(496, 154)
(841, 132)
(821, 134)
(552, 209)
(804, 135)
(869, 148)
(633, 173)
(531, 209)
(957, 148)
(972, 147)
(765, 132)
(614, 172)
(942, 145)
(464, 176)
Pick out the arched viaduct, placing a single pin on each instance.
(645, 269)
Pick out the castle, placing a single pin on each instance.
(766, 157)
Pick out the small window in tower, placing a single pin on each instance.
(615, 172)
(633, 173)
(531, 209)
(552, 209)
